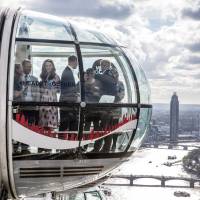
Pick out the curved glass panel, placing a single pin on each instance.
(40, 26)
(108, 78)
(107, 129)
(142, 129)
(45, 74)
(40, 59)
(129, 76)
(92, 36)
(93, 193)
(145, 92)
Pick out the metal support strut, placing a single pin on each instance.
(3, 192)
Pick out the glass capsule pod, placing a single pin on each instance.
(74, 104)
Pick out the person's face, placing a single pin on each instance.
(90, 76)
(27, 68)
(19, 70)
(85, 76)
(105, 65)
(74, 64)
(48, 67)
(115, 74)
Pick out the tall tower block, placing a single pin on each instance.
(174, 118)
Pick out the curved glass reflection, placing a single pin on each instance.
(92, 36)
(145, 92)
(142, 128)
(107, 76)
(41, 26)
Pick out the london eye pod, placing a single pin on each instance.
(74, 104)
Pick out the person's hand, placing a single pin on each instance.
(18, 93)
(50, 84)
(24, 91)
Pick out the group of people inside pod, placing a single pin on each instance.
(101, 83)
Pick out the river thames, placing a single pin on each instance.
(150, 162)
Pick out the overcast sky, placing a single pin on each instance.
(164, 35)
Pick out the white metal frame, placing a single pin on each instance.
(5, 114)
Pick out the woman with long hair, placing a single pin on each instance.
(50, 86)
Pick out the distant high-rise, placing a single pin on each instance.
(174, 118)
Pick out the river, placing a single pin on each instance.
(150, 162)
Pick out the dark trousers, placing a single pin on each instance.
(68, 120)
(115, 136)
(106, 120)
(95, 118)
(32, 116)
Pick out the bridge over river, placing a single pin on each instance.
(170, 146)
(192, 183)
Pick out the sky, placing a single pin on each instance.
(163, 35)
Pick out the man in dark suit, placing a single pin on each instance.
(69, 93)
(104, 74)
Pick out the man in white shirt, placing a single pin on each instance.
(31, 92)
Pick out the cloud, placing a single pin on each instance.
(10, 3)
(185, 67)
(197, 76)
(194, 47)
(157, 32)
(194, 60)
(86, 8)
(192, 13)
